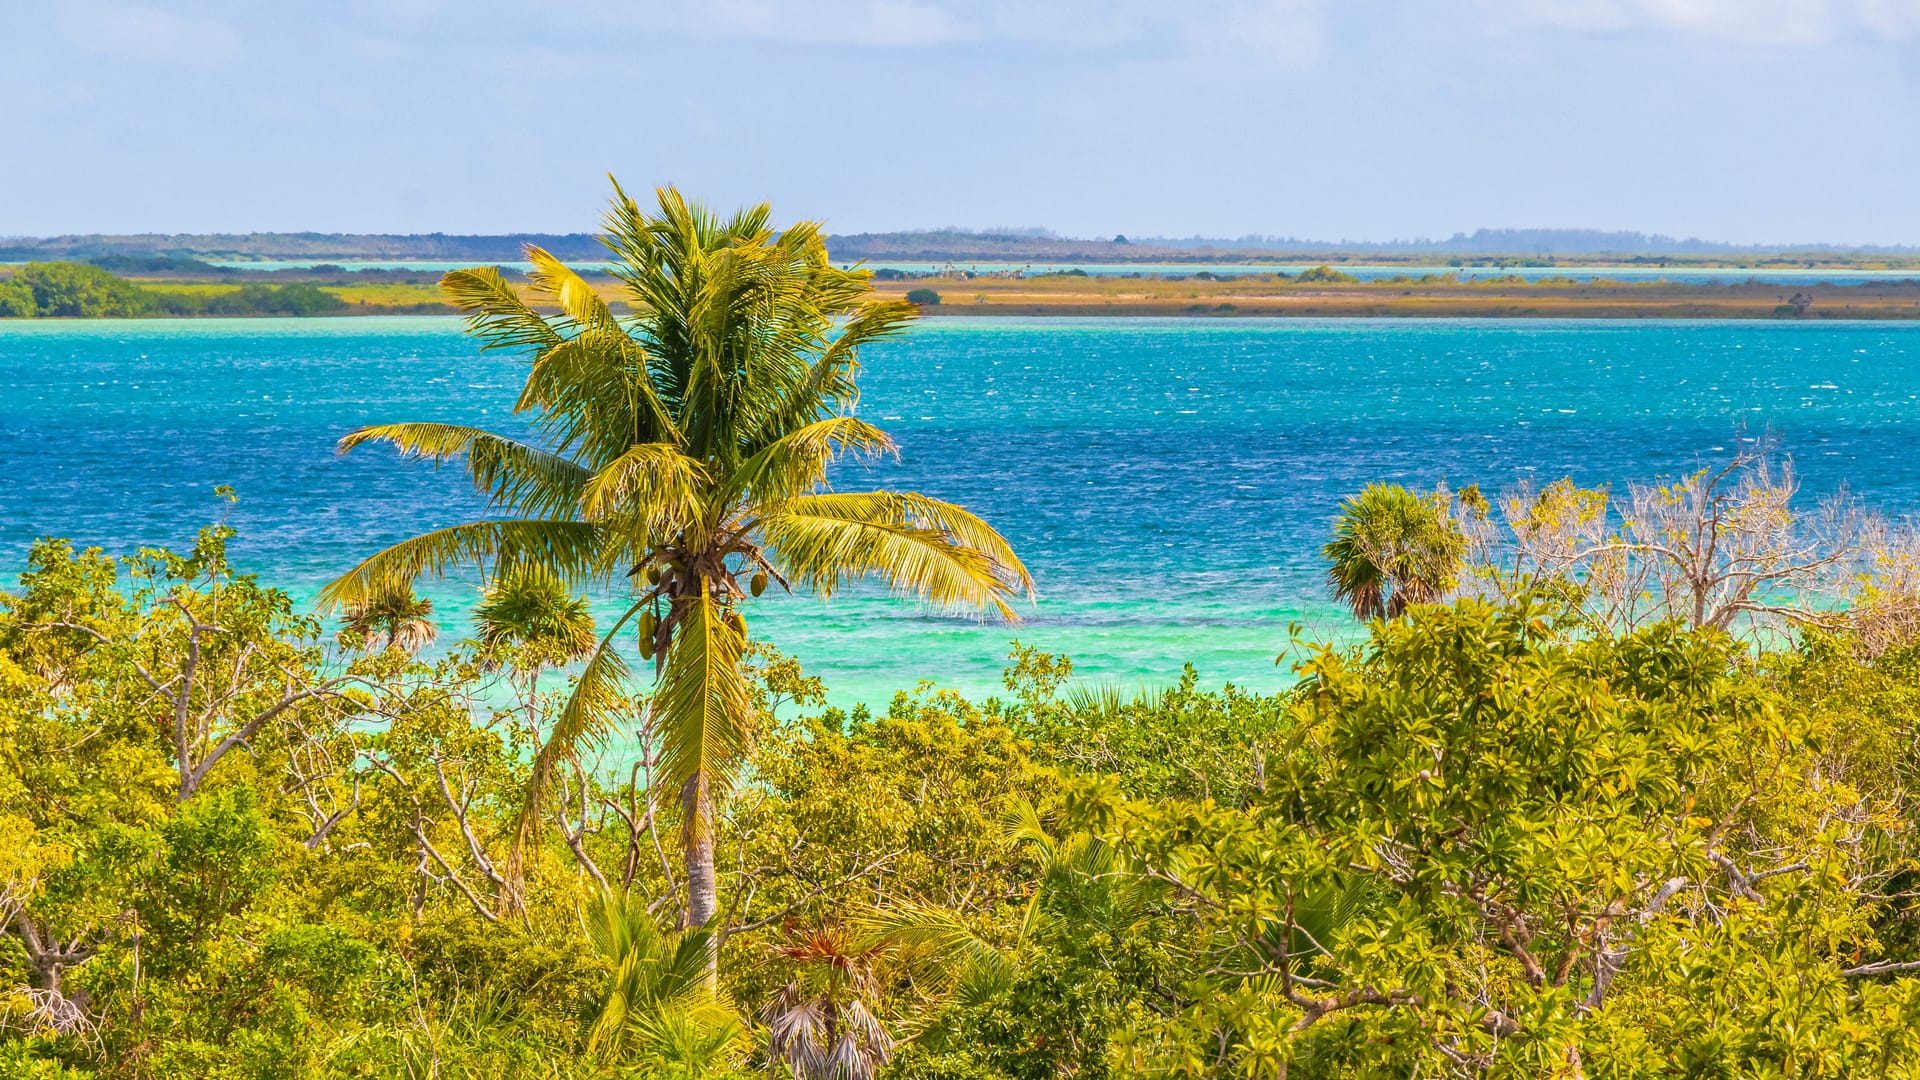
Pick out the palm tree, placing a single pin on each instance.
(529, 620)
(820, 1024)
(1393, 548)
(683, 452)
(529, 608)
(388, 615)
(656, 1003)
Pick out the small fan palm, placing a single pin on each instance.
(1393, 548)
(683, 452)
(389, 615)
(821, 1024)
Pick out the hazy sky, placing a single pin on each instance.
(1742, 120)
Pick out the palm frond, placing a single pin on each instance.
(828, 383)
(796, 463)
(933, 935)
(495, 313)
(590, 396)
(824, 540)
(652, 485)
(1020, 825)
(702, 688)
(571, 548)
(508, 471)
(690, 1039)
(969, 530)
(558, 282)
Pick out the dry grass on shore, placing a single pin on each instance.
(1271, 295)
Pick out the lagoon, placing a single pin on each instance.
(1169, 481)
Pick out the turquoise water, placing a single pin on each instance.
(1169, 481)
(1698, 276)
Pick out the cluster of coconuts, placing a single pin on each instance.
(650, 622)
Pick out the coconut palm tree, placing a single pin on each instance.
(682, 452)
(1393, 548)
(389, 615)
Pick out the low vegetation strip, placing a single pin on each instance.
(77, 290)
(1323, 292)
(161, 288)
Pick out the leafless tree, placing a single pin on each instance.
(1886, 612)
(1730, 547)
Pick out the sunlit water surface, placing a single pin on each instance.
(1168, 481)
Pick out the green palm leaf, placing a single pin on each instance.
(651, 485)
(511, 472)
(829, 380)
(796, 463)
(557, 281)
(570, 548)
(909, 542)
(702, 687)
(495, 313)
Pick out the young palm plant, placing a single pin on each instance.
(1393, 548)
(390, 616)
(683, 452)
(821, 1024)
(529, 610)
(656, 1005)
(530, 622)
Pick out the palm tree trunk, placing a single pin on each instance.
(696, 806)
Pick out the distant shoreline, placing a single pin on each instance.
(195, 290)
(1485, 248)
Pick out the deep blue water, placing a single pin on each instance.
(1169, 481)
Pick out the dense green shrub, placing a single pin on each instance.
(295, 299)
(79, 290)
(1478, 844)
(1325, 275)
(16, 299)
(76, 290)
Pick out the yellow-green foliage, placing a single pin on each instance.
(1473, 845)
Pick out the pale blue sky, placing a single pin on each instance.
(1742, 120)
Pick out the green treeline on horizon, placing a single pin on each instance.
(84, 291)
(1618, 783)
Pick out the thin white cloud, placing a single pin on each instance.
(1897, 19)
(1282, 30)
(1285, 30)
(1781, 24)
(140, 32)
(856, 22)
